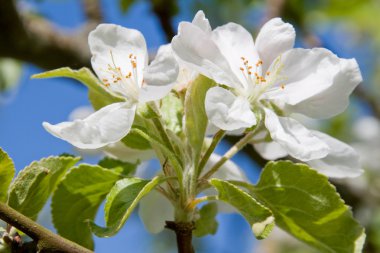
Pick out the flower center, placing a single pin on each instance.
(257, 82)
(125, 83)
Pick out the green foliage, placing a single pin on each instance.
(120, 167)
(207, 224)
(135, 141)
(125, 5)
(77, 200)
(7, 172)
(34, 184)
(258, 216)
(172, 112)
(98, 95)
(307, 206)
(121, 201)
(195, 115)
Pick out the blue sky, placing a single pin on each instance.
(52, 100)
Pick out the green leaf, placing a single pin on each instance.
(34, 184)
(135, 141)
(7, 172)
(121, 201)
(120, 167)
(77, 200)
(307, 206)
(207, 224)
(125, 5)
(258, 216)
(195, 115)
(171, 108)
(98, 94)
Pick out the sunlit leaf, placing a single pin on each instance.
(77, 200)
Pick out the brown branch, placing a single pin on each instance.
(34, 40)
(363, 95)
(184, 234)
(165, 10)
(46, 240)
(93, 10)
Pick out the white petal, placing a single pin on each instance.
(270, 150)
(124, 153)
(235, 42)
(122, 42)
(297, 140)
(159, 76)
(274, 38)
(227, 111)
(342, 160)
(314, 76)
(108, 125)
(198, 51)
(228, 171)
(202, 22)
(154, 210)
(335, 98)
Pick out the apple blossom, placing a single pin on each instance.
(120, 60)
(268, 77)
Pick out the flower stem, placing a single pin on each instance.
(230, 153)
(215, 141)
(46, 240)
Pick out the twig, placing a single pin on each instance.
(361, 93)
(46, 240)
(34, 40)
(184, 234)
(165, 10)
(93, 10)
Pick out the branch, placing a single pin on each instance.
(46, 240)
(165, 10)
(363, 95)
(184, 234)
(34, 40)
(93, 10)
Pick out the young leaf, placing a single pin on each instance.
(206, 224)
(135, 141)
(258, 216)
(77, 200)
(172, 112)
(121, 201)
(120, 167)
(195, 114)
(7, 172)
(98, 95)
(307, 206)
(34, 184)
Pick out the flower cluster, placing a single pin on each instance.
(259, 86)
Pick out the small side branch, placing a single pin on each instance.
(46, 240)
(184, 234)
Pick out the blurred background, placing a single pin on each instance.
(37, 35)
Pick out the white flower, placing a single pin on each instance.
(268, 76)
(341, 161)
(154, 221)
(120, 60)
